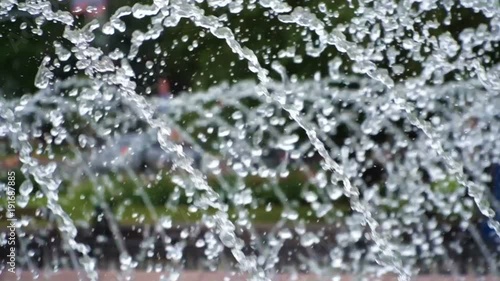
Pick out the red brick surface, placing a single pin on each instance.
(210, 276)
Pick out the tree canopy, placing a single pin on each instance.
(193, 59)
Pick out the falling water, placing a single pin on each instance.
(392, 145)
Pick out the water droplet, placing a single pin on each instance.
(44, 75)
(26, 188)
(309, 239)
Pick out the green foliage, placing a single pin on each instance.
(194, 59)
(163, 191)
(123, 196)
(18, 181)
(447, 186)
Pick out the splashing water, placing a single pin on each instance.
(378, 163)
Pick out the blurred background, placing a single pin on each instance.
(193, 60)
(138, 186)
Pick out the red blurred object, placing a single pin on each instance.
(164, 88)
(175, 136)
(124, 150)
(79, 7)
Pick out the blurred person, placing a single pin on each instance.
(89, 8)
(489, 235)
(164, 89)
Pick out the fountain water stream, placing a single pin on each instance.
(407, 153)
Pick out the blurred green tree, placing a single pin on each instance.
(194, 59)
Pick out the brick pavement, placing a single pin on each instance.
(67, 275)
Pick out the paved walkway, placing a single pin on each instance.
(67, 275)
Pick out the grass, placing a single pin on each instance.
(128, 208)
(81, 210)
(183, 214)
(79, 201)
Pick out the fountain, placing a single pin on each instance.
(374, 167)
